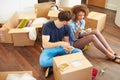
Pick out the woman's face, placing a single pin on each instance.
(80, 15)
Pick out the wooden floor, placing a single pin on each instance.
(27, 58)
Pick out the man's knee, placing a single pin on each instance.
(76, 50)
(45, 63)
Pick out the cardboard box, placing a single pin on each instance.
(66, 8)
(4, 36)
(27, 16)
(42, 9)
(100, 3)
(53, 14)
(12, 23)
(20, 37)
(3, 75)
(72, 67)
(96, 20)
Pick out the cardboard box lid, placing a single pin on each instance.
(38, 25)
(53, 13)
(76, 62)
(3, 75)
(95, 15)
(18, 31)
(42, 9)
(27, 16)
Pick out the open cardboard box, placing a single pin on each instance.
(9, 33)
(3, 75)
(20, 37)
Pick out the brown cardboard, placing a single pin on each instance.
(42, 9)
(100, 3)
(4, 36)
(66, 8)
(3, 75)
(21, 37)
(53, 14)
(81, 71)
(9, 33)
(12, 23)
(96, 20)
(31, 16)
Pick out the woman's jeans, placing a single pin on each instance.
(46, 57)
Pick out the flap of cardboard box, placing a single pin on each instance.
(53, 13)
(27, 16)
(18, 31)
(42, 9)
(38, 25)
(95, 15)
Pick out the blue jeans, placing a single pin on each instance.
(46, 57)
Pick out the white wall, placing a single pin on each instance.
(8, 7)
(112, 4)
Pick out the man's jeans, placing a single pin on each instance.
(46, 57)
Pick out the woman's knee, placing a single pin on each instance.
(96, 31)
(92, 37)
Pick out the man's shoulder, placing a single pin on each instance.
(48, 24)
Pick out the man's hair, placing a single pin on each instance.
(78, 8)
(64, 15)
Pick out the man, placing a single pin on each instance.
(55, 40)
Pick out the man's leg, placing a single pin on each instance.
(76, 50)
(46, 57)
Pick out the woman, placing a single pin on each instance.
(80, 36)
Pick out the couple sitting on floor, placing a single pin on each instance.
(68, 30)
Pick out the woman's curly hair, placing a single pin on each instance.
(78, 8)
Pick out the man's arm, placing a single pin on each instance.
(66, 39)
(47, 44)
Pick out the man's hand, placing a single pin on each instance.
(69, 49)
(64, 44)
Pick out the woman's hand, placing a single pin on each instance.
(79, 29)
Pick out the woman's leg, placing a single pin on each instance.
(80, 43)
(46, 57)
(102, 39)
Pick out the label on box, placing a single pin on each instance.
(63, 66)
(76, 63)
